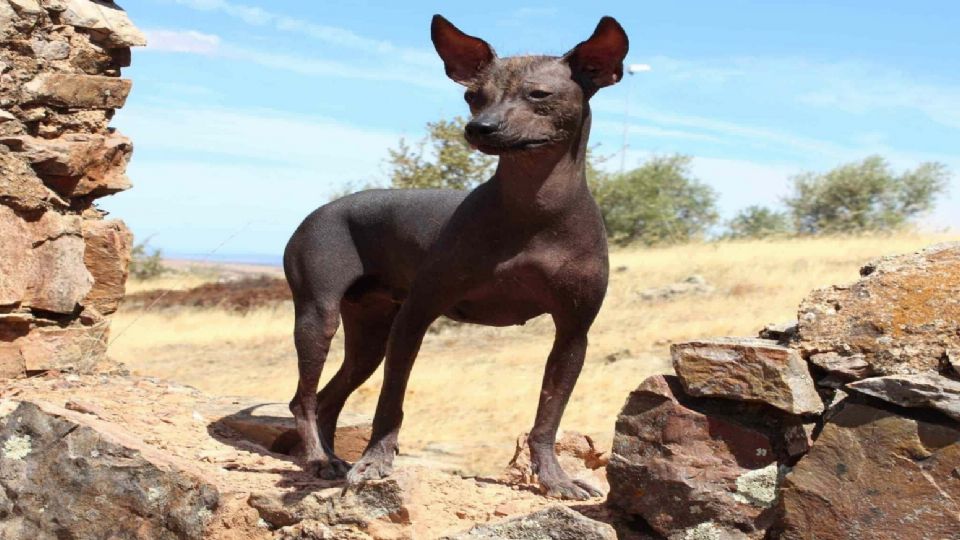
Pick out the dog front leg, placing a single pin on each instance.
(563, 369)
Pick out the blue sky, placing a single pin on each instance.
(246, 115)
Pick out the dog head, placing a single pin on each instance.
(525, 103)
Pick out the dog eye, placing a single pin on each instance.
(540, 94)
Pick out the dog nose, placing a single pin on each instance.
(482, 127)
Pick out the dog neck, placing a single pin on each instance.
(542, 183)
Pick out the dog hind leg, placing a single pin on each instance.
(366, 327)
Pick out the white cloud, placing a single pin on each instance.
(338, 151)
(193, 42)
(202, 174)
(707, 128)
(182, 41)
(339, 37)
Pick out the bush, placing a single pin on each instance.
(145, 265)
(659, 202)
(757, 222)
(863, 197)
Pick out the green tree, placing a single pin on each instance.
(442, 159)
(757, 222)
(659, 202)
(864, 196)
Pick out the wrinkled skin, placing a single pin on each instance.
(527, 242)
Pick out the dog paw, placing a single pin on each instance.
(333, 468)
(368, 468)
(574, 490)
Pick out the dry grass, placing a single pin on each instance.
(475, 388)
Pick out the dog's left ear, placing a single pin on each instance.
(598, 61)
(464, 56)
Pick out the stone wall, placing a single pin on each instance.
(62, 266)
(842, 424)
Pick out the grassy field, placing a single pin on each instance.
(474, 389)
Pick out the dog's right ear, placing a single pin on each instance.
(464, 57)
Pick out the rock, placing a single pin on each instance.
(376, 500)
(693, 285)
(577, 453)
(952, 358)
(106, 255)
(22, 189)
(78, 164)
(41, 261)
(77, 91)
(30, 8)
(747, 370)
(73, 348)
(843, 368)
(925, 390)
(902, 316)
(553, 523)
(709, 531)
(679, 468)
(875, 474)
(105, 20)
(72, 481)
(782, 332)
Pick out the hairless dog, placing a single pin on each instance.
(527, 242)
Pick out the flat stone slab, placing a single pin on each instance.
(923, 390)
(747, 369)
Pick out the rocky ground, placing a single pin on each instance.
(842, 424)
(161, 459)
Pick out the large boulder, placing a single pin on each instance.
(681, 463)
(874, 473)
(63, 479)
(746, 369)
(903, 315)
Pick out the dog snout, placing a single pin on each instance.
(481, 127)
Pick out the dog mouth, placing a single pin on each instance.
(490, 147)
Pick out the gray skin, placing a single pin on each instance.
(529, 241)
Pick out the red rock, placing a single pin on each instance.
(41, 261)
(875, 474)
(678, 468)
(77, 164)
(902, 316)
(578, 455)
(107, 257)
(746, 369)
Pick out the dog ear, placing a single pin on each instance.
(598, 61)
(464, 57)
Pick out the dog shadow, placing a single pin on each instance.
(266, 430)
